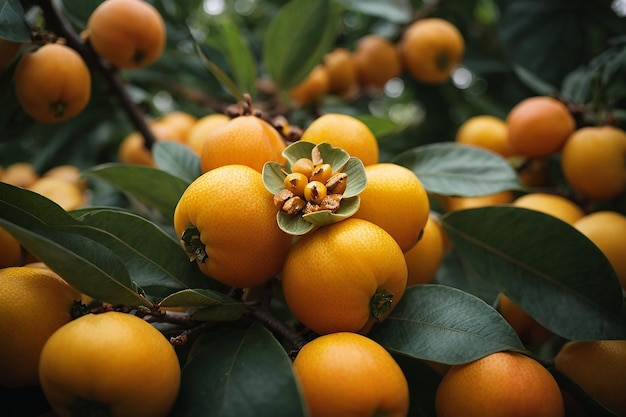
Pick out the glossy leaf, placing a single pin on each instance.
(379, 126)
(153, 258)
(397, 11)
(228, 83)
(446, 325)
(85, 264)
(152, 187)
(214, 305)
(238, 373)
(13, 24)
(177, 159)
(459, 170)
(544, 265)
(297, 38)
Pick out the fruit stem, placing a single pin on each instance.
(380, 303)
(58, 109)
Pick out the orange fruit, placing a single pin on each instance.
(346, 132)
(235, 218)
(376, 60)
(21, 174)
(68, 173)
(128, 33)
(244, 140)
(337, 371)
(499, 384)
(180, 122)
(534, 173)
(34, 303)
(424, 258)
(598, 367)
(344, 277)
(607, 230)
(110, 364)
(487, 132)
(555, 205)
(10, 249)
(451, 203)
(342, 76)
(67, 195)
(202, 127)
(132, 149)
(312, 88)
(539, 126)
(430, 49)
(593, 163)
(53, 83)
(395, 200)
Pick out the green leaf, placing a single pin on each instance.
(357, 178)
(239, 372)
(532, 81)
(241, 61)
(13, 23)
(216, 306)
(446, 325)
(297, 150)
(459, 170)
(273, 177)
(156, 261)
(349, 206)
(156, 189)
(544, 265)
(397, 11)
(85, 264)
(293, 224)
(222, 77)
(23, 206)
(297, 38)
(177, 159)
(380, 126)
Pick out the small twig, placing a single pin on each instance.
(64, 30)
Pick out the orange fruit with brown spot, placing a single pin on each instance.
(431, 49)
(128, 33)
(52, 83)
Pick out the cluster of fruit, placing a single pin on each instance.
(429, 49)
(53, 82)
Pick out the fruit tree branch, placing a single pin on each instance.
(63, 29)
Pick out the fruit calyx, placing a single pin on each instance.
(380, 303)
(193, 245)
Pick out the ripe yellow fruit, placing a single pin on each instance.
(128, 33)
(487, 132)
(555, 205)
(346, 132)
(539, 126)
(501, 384)
(53, 83)
(395, 200)
(202, 128)
(347, 374)
(67, 195)
(592, 161)
(68, 173)
(235, 217)
(312, 88)
(112, 363)
(180, 122)
(344, 277)
(376, 60)
(34, 303)
(431, 49)
(342, 76)
(245, 140)
(21, 174)
(598, 367)
(607, 230)
(424, 258)
(459, 203)
(10, 249)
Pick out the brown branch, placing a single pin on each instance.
(63, 29)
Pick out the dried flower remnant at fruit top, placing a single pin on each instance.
(311, 186)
